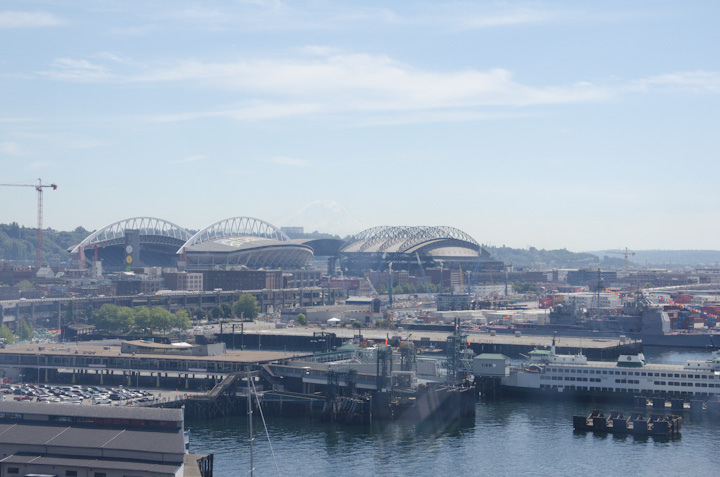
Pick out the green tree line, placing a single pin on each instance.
(19, 244)
(123, 319)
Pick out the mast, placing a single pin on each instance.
(250, 427)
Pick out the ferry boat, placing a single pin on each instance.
(551, 373)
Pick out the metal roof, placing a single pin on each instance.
(66, 437)
(491, 356)
(92, 463)
(405, 239)
(117, 412)
(153, 229)
(236, 227)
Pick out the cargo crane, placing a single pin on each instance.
(39, 188)
(626, 253)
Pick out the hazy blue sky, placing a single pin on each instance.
(554, 124)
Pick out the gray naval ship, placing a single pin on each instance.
(639, 318)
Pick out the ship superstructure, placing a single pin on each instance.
(548, 372)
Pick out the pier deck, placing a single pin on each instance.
(265, 335)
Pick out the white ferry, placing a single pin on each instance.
(548, 372)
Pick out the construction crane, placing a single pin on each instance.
(626, 253)
(39, 188)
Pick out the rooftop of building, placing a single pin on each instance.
(91, 463)
(114, 351)
(35, 411)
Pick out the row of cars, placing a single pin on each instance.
(74, 394)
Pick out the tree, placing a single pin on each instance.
(24, 285)
(113, 318)
(226, 310)
(180, 320)
(6, 334)
(25, 331)
(143, 318)
(125, 319)
(357, 324)
(70, 315)
(301, 319)
(198, 313)
(160, 319)
(216, 312)
(246, 307)
(105, 317)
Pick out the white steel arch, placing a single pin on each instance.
(400, 239)
(161, 230)
(236, 227)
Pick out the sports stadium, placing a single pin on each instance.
(255, 244)
(403, 248)
(153, 242)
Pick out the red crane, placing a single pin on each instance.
(39, 188)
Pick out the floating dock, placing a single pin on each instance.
(635, 424)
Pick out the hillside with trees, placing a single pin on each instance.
(19, 244)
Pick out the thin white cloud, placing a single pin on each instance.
(10, 148)
(288, 161)
(251, 112)
(69, 69)
(364, 82)
(189, 159)
(327, 81)
(319, 50)
(15, 120)
(324, 81)
(38, 165)
(690, 81)
(89, 143)
(12, 19)
(424, 117)
(131, 31)
(308, 15)
(518, 16)
(107, 55)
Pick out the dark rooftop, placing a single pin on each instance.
(115, 412)
(89, 462)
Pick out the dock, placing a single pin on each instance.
(635, 424)
(265, 336)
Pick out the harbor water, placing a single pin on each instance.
(506, 437)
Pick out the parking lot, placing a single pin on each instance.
(88, 395)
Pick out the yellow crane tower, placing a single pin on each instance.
(626, 253)
(39, 188)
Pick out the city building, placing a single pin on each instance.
(94, 441)
(242, 279)
(183, 281)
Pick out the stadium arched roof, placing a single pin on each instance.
(236, 227)
(406, 239)
(244, 241)
(152, 230)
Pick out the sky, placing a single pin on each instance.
(551, 124)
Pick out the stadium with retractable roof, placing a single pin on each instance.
(375, 248)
